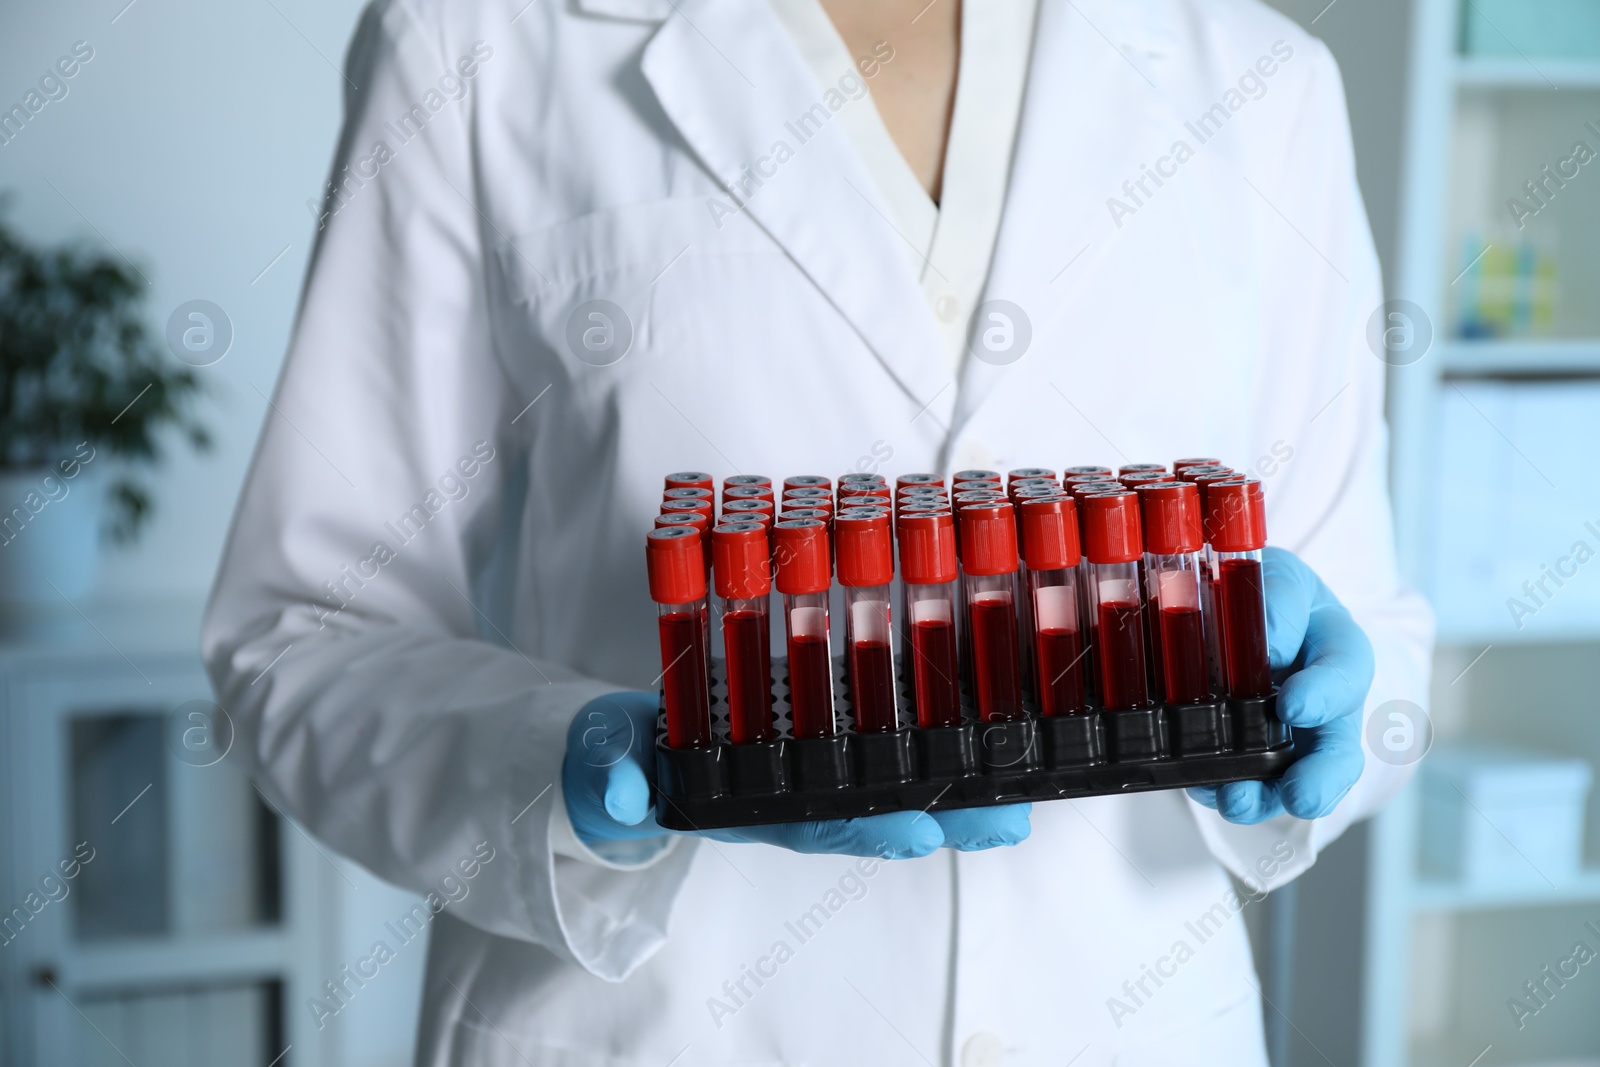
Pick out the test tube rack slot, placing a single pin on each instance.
(1034, 758)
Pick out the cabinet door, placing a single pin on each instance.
(156, 909)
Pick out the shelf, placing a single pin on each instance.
(1520, 359)
(1437, 894)
(1535, 72)
(197, 960)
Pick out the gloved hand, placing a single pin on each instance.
(610, 763)
(1311, 633)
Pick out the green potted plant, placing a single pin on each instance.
(87, 397)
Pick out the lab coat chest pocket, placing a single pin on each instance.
(629, 287)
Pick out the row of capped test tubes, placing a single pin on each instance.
(1095, 588)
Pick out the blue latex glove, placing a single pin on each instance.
(610, 763)
(1311, 633)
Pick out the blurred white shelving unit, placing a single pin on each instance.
(201, 921)
(1420, 988)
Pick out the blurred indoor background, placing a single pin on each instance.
(186, 143)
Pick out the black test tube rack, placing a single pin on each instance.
(1034, 758)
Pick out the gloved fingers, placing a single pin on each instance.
(1337, 672)
(1291, 589)
(605, 778)
(1204, 794)
(976, 829)
(1248, 803)
(1317, 781)
(896, 835)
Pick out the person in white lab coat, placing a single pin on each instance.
(574, 244)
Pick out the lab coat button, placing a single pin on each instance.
(981, 1050)
(948, 308)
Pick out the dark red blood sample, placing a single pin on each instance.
(1122, 668)
(749, 677)
(810, 694)
(1183, 655)
(683, 683)
(1061, 669)
(933, 648)
(1244, 628)
(872, 686)
(996, 676)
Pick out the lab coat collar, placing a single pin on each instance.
(729, 78)
(1140, 25)
(1091, 115)
(632, 10)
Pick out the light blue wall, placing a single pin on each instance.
(191, 142)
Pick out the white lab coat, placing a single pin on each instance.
(403, 688)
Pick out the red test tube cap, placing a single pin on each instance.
(1236, 515)
(989, 538)
(752, 510)
(1142, 468)
(1072, 471)
(1180, 464)
(1111, 527)
(862, 478)
(919, 478)
(1049, 532)
(807, 481)
(1170, 512)
(927, 548)
(975, 476)
(676, 564)
(801, 548)
(690, 480)
(702, 506)
(740, 560)
(863, 547)
(1189, 474)
(747, 492)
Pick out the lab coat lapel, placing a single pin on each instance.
(1093, 111)
(728, 77)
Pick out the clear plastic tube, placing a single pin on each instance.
(1119, 634)
(1060, 653)
(1242, 609)
(810, 664)
(931, 642)
(992, 622)
(1179, 625)
(747, 643)
(684, 654)
(867, 633)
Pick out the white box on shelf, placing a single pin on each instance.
(1497, 815)
(1534, 27)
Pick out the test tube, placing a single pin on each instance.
(808, 481)
(1237, 526)
(863, 546)
(804, 575)
(808, 492)
(978, 485)
(905, 481)
(690, 480)
(1135, 479)
(1074, 472)
(688, 493)
(1180, 464)
(862, 478)
(1113, 536)
(746, 509)
(1050, 551)
(928, 589)
(677, 574)
(1029, 472)
(1170, 514)
(697, 520)
(1192, 474)
(861, 492)
(743, 580)
(979, 496)
(989, 579)
(976, 476)
(747, 492)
